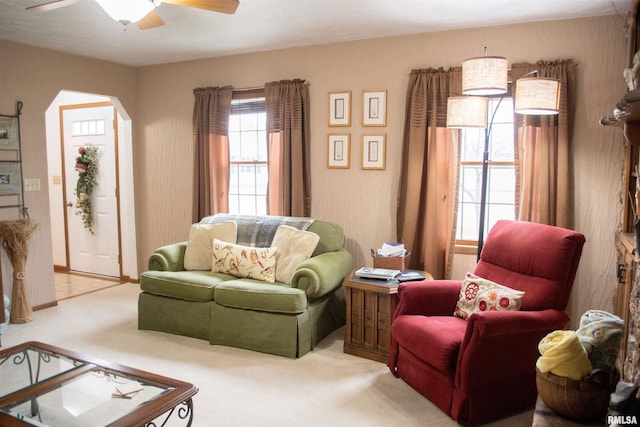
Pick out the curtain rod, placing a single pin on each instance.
(247, 89)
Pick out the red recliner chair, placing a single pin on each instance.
(483, 368)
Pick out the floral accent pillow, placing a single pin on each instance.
(244, 261)
(478, 294)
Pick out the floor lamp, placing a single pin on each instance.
(484, 76)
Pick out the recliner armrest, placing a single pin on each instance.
(168, 258)
(503, 338)
(428, 298)
(493, 323)
(322, 273)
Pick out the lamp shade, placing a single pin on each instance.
(537, 96)
(484, 75)
(467, 111)
(128, 11)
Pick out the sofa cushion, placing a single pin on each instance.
(478, 294)
(294, 246)
(186, 285)
(244, 261)
(197, 255)
(435, 340)
(331, 236)
(255, 295)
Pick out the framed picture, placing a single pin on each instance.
(373, 151)
(374, 108)
(10, 179)
(340, 108)
(338, 151)
(8, 133)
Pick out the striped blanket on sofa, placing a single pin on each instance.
(258, 230)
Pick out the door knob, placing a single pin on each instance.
(69, 204)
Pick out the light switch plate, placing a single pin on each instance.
(32, 184)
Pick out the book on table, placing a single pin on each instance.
(377, 273)
(410, 276)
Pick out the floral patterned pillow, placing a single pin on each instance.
(478, 294)
(244, 261)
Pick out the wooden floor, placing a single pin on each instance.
(69, 285)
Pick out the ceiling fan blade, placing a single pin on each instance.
(151, 20)
(223, 6)
(55, 4)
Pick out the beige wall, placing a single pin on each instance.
(364, 202)
(36, 76)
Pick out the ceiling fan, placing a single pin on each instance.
(142, 12)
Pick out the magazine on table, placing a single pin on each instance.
(377, 273)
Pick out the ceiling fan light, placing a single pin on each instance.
(537, 96)
(484, 75)
(128, 11)
(467, 111)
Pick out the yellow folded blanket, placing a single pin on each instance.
(562, 354)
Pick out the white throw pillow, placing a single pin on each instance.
(197, 256)
(294, 246)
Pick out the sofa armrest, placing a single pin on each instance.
(497, 339)
(322, 273)
(168, 258)
(428, 298)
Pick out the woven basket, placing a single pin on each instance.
(392, 262)
(579, 400)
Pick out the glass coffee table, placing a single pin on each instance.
(43, 385)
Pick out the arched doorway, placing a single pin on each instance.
(59, 184)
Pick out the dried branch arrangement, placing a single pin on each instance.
(14, 235)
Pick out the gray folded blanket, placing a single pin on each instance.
(600, 334)
(258, 230)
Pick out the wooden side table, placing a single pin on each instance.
(370, 306)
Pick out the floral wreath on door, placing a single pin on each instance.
(87, 168)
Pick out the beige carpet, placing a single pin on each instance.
(238, 387)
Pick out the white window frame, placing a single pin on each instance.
(469, 204)
(239, 197)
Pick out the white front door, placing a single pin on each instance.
(97, 252)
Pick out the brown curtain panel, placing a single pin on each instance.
(211, 158)
(543, 148)
(427, 196)
(289, 189)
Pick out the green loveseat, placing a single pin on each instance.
(276, 318)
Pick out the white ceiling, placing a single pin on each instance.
(259, 25)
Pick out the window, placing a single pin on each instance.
(501, 185)
(248, 172)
